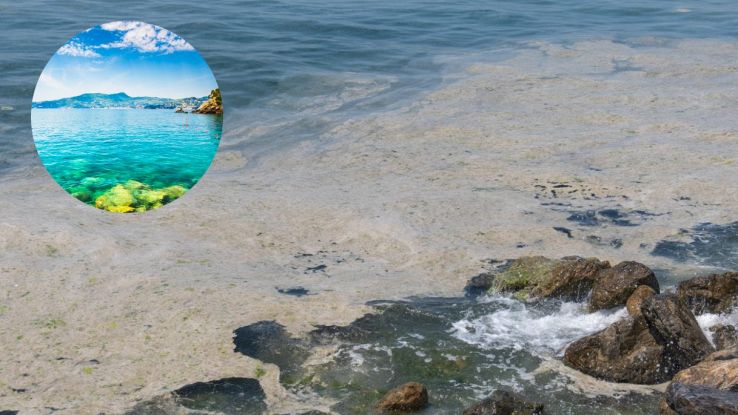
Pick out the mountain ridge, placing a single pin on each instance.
(118, 100)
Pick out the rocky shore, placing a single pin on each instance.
(659, 340)
(213, 105)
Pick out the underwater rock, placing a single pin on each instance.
(269, 342)
(614, 285)
(714, 293)
(673, 325)
(503, 402)
(228, 396)
(538, 277)
(409, 397)
(117, 199)
(686, 399)
(724, 336)
(134, 196)
(624, 352)
(213, 105)
(633, 305)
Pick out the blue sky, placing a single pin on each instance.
(137, 58)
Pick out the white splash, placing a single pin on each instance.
(521, 327)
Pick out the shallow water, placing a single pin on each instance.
(88, 151)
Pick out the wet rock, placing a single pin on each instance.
(724, 336)
(229, 396)
(673, 326)
(624, 352)
(409, 397)
(725, 354)
(664, 408)
(503, 402)
(569, 278)
(700, 400)
(717, 371)
(614, 285)
(714, 293)
(633, 305)
(479, 284)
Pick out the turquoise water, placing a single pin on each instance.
(88, 151)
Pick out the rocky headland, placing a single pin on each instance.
(213, 105)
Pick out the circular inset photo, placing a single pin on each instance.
(127, 116)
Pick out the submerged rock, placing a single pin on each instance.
(624, 352)
(134, 196)
(269, 342)
(714, 293)
(614, 286)
(569, 278)
(673, 325)
(409, 397)
(633, 305)
(228, 396)
(724, 336)
(503, 402)
(686, 399)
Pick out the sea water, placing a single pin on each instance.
(88, 151)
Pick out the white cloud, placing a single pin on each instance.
(78, 50)
(145, 37)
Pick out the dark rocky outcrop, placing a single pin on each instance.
(569, 278)
(503, 402)
(684, 399)
(614, 285)
(673, 326)
(479, 284)
(724, 336)
(624, 352)
(633, 305)
(213, 105)
(714, 293)
(409, 397)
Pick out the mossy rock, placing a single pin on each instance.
(537, 277)
(524, 273)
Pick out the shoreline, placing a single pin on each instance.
(411, 202)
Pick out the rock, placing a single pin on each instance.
(213, 105)
(715, 371)
(724, 336)
(700, 400)
(503, 402)
(633, 305)
(614, 286)
(409, 397)
(664, 408)
(725, 354)
(117, 199)
(569, 278)
(714, 293)
(624, 352)
(479, 284)
(673, 326)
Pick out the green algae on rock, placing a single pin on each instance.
(134, 196)
(569, 278)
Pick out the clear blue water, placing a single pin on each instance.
(92, 150)
(298, 67)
